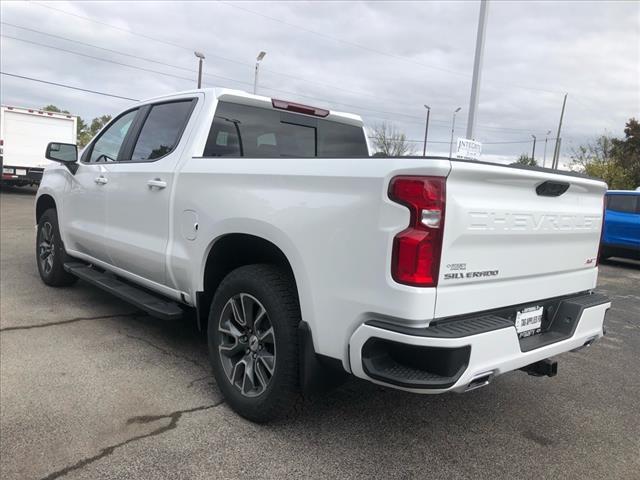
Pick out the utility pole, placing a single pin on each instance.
(255, 78)
(200, 59)
(558, 157)
(426, 131)
(453, 127)
(533, 153)
(556, 151)
(544, 159)
(477, 69)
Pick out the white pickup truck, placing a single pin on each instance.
(306, 259)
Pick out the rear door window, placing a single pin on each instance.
(622, 203)
(162, 130)
(241, 130)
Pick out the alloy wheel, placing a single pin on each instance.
(247, 345)
(46, 250)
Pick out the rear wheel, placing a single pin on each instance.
(253, 341)
(50, 253)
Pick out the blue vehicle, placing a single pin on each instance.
(621, 235)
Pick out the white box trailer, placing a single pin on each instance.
(24, 135)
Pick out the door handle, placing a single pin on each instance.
(157, 183)
(100, 180)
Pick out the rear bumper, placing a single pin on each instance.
(27, 175)
(452, 355)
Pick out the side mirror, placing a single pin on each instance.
(62, 152)
(65, 153)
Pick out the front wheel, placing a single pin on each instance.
(50, 253)
(253, 341)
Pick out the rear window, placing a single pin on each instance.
(623, 203)
(162, 130)
(245, 131)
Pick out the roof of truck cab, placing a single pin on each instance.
(623, 192)
(245, 98)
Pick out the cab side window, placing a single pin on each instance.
(162, 130)
(622, 203)
(107, 147)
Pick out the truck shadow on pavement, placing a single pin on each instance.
(84, 377)
(27, 190)
(622, 263)
(349, 409)
(381, 432)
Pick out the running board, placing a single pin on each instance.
(152, 304)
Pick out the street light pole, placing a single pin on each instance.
(477, 69)
(544, 159)
(200, 59)
(556, 150)
(426, 131)
(255, 78)
(533, 153)
(453, 127)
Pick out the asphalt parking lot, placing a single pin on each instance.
(90, 388)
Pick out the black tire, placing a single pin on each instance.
(274, 290)
(48, 240)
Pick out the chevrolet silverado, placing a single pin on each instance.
(306, 259)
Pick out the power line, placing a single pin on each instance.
(192, 71)
(504, 143)
(371, 137)
(89, 19)
(39, 32)
(483, 143)
(191, 49)
(137, 100)
(349, 105)
(185, 78)
(69, 86)
(100, 59)
(95, 58)
(178, 67)
(346, 42)
(190, 79)
(379, 52)
(442, 122)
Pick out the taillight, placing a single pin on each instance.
(604, 211)
(417, 249)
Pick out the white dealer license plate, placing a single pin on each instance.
(529, 321)
(20, 171)
(7, 170)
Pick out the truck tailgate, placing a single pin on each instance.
(509, 241)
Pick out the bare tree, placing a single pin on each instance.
(388, 141)
(600, 151)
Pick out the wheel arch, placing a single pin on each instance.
(231, 251)
(44, 203)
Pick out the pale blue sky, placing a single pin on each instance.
(382, 60)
